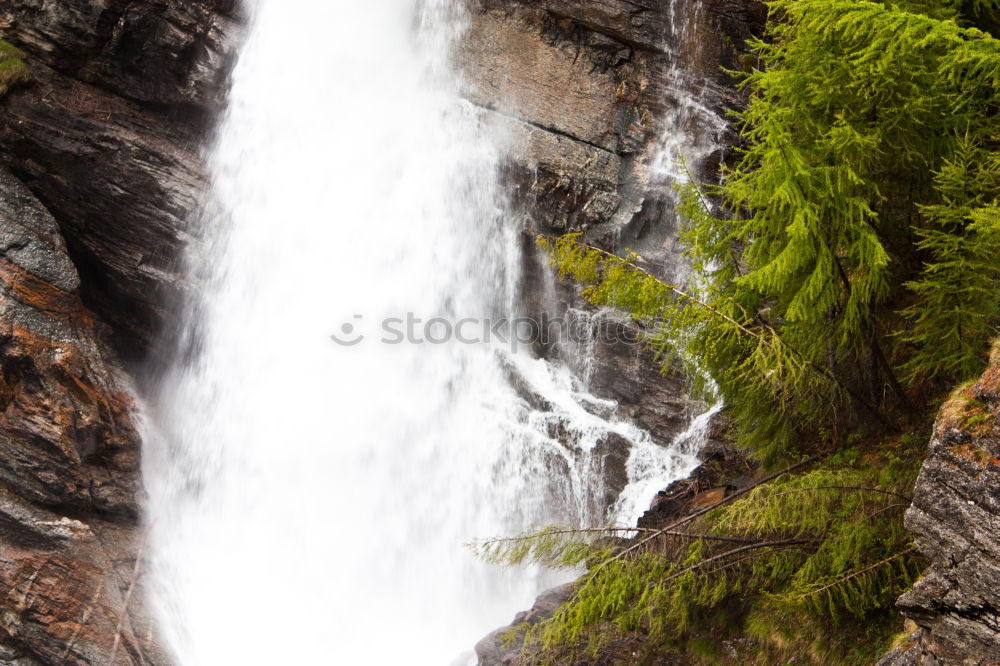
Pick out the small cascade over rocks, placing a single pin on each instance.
(314, 470)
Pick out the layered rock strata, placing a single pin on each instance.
(110, 135)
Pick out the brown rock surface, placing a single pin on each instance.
(165, 53)
(578, 103)
(64, 600)
(70, 452)
(65, 433)
(582, 89)
(122, 184)
(105, 174)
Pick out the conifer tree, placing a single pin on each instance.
(856, 226)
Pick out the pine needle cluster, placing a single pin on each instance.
(807, 561)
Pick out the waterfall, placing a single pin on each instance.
(693, 130)
(311, 485)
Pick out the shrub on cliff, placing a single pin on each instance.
(845, 272)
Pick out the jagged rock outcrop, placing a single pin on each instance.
(70, 451)
(622, 369)
(170, 55)
(109, 138)
(955, 519)
(65, 433)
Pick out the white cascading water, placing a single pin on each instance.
(693, 130)
(309, 500)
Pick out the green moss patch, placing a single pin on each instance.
(13, 70)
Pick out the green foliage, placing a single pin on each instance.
(959, 299)
(13, 71)
(857, 106)
(555, 548)
(821, 549)
(845, 271)
(847, 261)
(748, 362)
(862, 561)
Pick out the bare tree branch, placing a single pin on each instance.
(673, 526)
(787, 543)
(880, 491)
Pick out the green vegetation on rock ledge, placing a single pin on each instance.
(13, 71)
(802, 566)
(846, 277)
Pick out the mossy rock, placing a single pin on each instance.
(13, 70)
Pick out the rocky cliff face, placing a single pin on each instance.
(587, 92)
(955, 518)
(100, 174)
(109, 138)
(70, 472)
(588, 95)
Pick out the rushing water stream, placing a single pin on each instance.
(310, 499)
